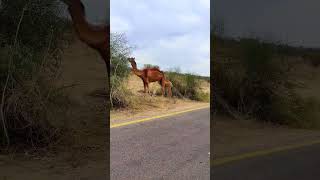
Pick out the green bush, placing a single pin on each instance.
(151, 66)
(120, 50)
(185, 85)
(120, 96)
(202, 96)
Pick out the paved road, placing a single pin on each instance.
(173, 148)
(297, 164)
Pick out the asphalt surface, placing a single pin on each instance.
(175, 147)
(297, 164)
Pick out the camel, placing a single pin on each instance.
(96, 37)
(149, 75)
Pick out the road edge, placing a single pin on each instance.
(116, 125)
(253, 154)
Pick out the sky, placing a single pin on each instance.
(295, 22)
(97, 11)
(166, 33)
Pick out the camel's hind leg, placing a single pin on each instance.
(144, 87)
(169, 91)
(163, 85)
(169, 88)
(147, 85)
(148, 89)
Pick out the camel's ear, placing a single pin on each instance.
(69, 3)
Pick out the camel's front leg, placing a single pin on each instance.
(147, 84)
(145, 87)
(162, 91)
(148, 88)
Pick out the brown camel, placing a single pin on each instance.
(96, 37)
(149, 75)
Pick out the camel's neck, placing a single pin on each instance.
(90, 34)
(135, 70)
(77, 15)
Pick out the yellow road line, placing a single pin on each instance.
(221, 161)
(155, 117)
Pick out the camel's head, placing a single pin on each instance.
(132, 62)
(131, 59)
(75, 5)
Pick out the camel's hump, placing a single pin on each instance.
(153, 69)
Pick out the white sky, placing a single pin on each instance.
(166, 33)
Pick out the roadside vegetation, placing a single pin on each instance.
(30, 49)
(253, 78)
(120, 50)
(188, 85)
(185, 86)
